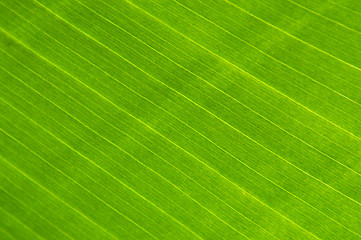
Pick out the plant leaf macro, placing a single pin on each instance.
(180, 119)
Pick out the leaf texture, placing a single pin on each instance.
(180, 119)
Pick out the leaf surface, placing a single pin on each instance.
(180, 119)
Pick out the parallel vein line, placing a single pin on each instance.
(315, 29)
(17, 219)
(131, 157)
(55, 196)
(67, 176)
(241, 103)
(246, 73)
(203, 137)
(190, 56)
(266, 54)
(269, 150)
(322, 16)
(294, 37)
(43, 205)
(133, 140)
(213, 114)
(66, 159)
(224, 121)
(108, 173)
(342, 6)
(159, 134)
(224, 93)
(37, 213)
(239, 160)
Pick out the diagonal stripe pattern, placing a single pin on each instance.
(180, 119)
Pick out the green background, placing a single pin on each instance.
(180, 119)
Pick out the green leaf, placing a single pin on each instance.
(180, 119)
